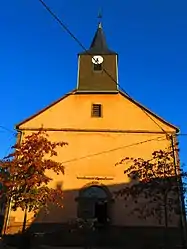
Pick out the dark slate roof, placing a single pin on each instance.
(99, 45)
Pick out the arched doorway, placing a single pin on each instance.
(94, 202)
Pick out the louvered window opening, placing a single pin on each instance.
(96, 110)
(97, 67)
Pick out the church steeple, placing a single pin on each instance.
(99, 44)
(95, 66)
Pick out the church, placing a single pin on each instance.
(101, 125)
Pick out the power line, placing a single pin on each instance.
(182, 134)
(61, 23)
(84, 48)
(7, 129)
(10, 146)
(114, 149)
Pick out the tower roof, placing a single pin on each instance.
(99, 45)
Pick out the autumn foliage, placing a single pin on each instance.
(156, 185)
(23, 173)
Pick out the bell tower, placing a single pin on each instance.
(98, 66)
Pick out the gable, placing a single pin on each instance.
(120, 113)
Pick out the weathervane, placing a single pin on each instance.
(99, 16)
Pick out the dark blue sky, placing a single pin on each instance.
(38, 60)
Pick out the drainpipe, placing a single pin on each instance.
(180, 196)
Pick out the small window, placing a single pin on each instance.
(96, 110)
(97, 67)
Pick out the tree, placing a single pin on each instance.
(156, 185)
(23, 175)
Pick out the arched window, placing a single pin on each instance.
(94, 192)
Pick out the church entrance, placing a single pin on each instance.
(101, 212)
(94, 202)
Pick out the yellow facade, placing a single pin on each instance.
(95, 145)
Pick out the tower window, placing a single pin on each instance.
(97, 67)
(97, 110)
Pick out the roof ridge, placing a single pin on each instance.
(45, 108)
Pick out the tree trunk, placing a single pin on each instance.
(24, 221)
(6, 216)
(25, 238)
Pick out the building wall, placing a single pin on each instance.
(95, 145)
(74, 112)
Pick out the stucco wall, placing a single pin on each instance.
(74, 111)
(95, 152)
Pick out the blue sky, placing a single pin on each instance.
(38, 60)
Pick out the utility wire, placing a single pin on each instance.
(7, 129)
(84, 48)
(61, 23)
(10, 146)
(114, 149)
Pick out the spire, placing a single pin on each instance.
(99, 45)
(100, 18)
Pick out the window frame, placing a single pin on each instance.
(100, 110)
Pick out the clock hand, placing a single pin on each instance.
(97, 60)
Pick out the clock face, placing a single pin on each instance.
(97, 59)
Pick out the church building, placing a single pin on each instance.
(101, 125)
